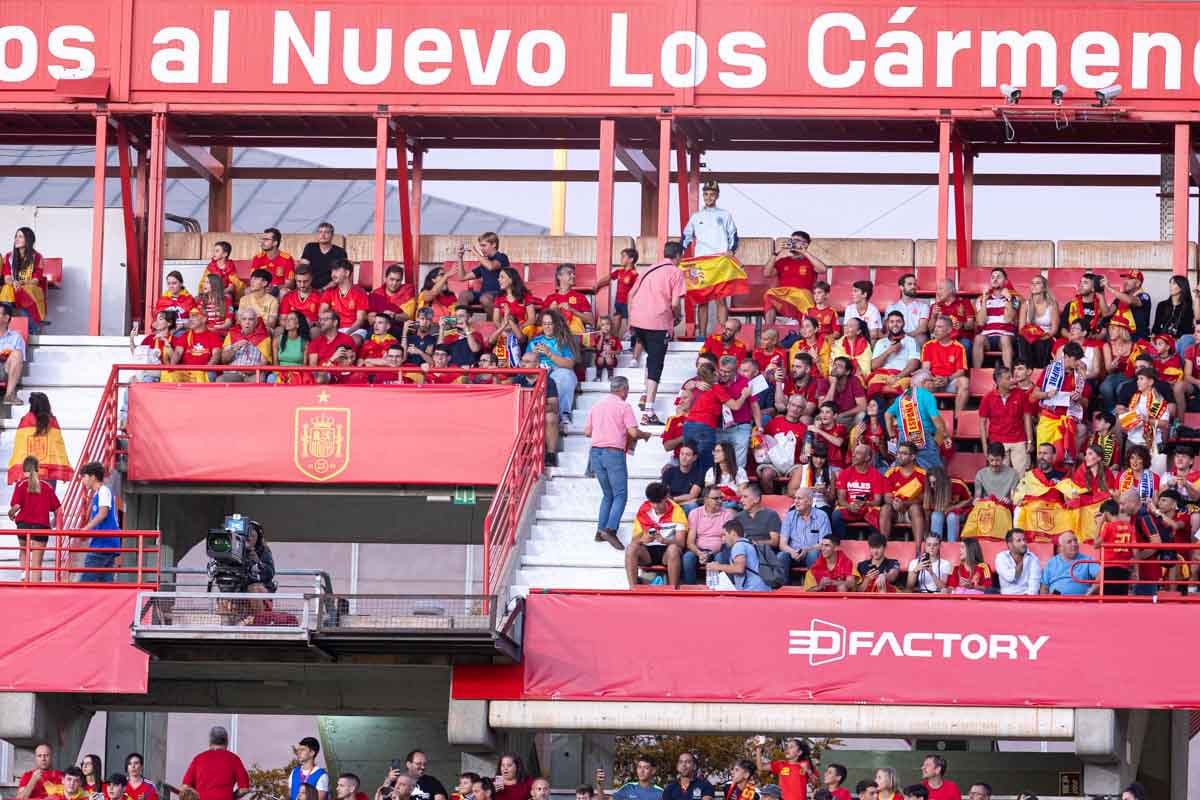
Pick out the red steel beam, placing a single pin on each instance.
(962, 245)
(604, 209)
(381, 151)
(154, 211)
(418, 184)
(411, 266)
(1183, 161)
(134, 279)
(942, 253)
(199, 159)
(664, 187)
(94, 289)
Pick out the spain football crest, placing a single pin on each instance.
(321, 448)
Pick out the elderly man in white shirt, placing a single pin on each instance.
(1019, 570)
(714, 233)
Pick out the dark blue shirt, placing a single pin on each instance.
(1141, 316)
(679, 482)
(420, 342)
(490, 278)
(697, 789)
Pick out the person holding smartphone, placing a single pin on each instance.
(929, 573)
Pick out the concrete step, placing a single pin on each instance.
(581, 489)
(543, 553)
(568, 578)
(65, 374)
(59, 354)
(574, 464)
(52, 340)
(664, 405)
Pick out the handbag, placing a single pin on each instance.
(781, 452)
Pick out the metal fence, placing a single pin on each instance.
(404, 613)
(205, 612)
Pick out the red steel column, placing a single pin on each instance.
(155, 210)
(1183, 160)
(969, 200)
(694, 180)
(98, 222)
(411, 268)
(381, 132)
(664, 186)
(604, 210)
(134, 278)
(942, 253)
(681, 181)
(418, 180)
(962, 253)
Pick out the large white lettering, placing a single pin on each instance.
(619, 75)
(82, 59)
(556, 58)
(695, 56)
(754, 64)
(855, 68)
(1084, 58)
(220, 47)
(176, 64)
(949, 44)
(352, 57)
(289, 39)
(484, 72)
(27, 49)
(427, 46)
(904, 68)
(1143, 43)
(1018, 45)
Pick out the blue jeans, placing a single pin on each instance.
(739, 437)
(565, 380)
(705, 438)
(929, 456)
(944, 524)
(99, 560)
(691, 568)
(1110, 387)
(608, 464)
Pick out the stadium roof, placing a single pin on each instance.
(290, 205)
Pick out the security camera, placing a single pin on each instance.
(1012, 95)
(1057, 94)
(1108, 94)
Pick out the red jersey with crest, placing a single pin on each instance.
(282, 267)
(347, 305)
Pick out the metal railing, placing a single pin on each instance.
(1122, 556)
(219, 612)
(521, 473)
(406, 613)
(61, 561)
(194, 579)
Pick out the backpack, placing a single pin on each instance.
(769, 570)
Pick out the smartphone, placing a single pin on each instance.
(396, 763)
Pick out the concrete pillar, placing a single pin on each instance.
(1110, 744)
(467, 726)
(28, 719)
(142, 732)
(1166, 197)
(365, 745)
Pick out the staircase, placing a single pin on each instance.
(559, 551)
(71, 371)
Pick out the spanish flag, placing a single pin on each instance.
(48, 448)
(989, 519)
(1042, 510)
(788, 301)
(646, 519)
(1085, 504)
(713, 278)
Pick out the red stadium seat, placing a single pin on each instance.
(947, 416)
(747, 336)
(53, 269)
(848, 275)
(1022, 277)
(964, 466)
(981, 382)
(21, 326)
(539, 289)
(750, 302)
(242, 267)
(973, 280)
(363, 275)
(779, 503)
(840, 296)
(540, 271)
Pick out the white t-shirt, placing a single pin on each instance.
(322, 784)
(915, 311)
(898, 361)
(871, 317)
(924, 582)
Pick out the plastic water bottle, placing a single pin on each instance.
(712, 579)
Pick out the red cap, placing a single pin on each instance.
(1136, 274)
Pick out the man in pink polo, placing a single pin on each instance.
(611, 426)
(655, 308)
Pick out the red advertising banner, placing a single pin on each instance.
(768, 648)
(84, 645)
(687, 52)
(239, 433)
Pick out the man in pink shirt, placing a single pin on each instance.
(706, 533)
(655, 308)
(611, 425)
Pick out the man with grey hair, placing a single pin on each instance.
(914, 417)
(613, 429)
(247, 345)
(802, 532)
(738, 388)
(217, 773)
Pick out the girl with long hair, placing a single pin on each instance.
(946, 508)
(215, 304)
(971, 575)
(175, 297)
(291, 346)
(24, 273)
(224, 267)
(819, 476)
(514, 307)
(1039, 324)
(93, 775)
(434, 292)
(158, 339)
(39, 435)
(725, 471)
(1175, 315)
(32, 505)
(513, 781)
(558, 353)
(1137, 474)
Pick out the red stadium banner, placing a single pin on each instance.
(81, 645)
(762, 648)
(581, 52)
(237, 433)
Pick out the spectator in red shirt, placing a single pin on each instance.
(1004, 417)
(349, 301)
(860, 492)
(933, 778)
(43, 780)
(136, 785)
(834, 777)
(845, 391)
(946, 361)
(279, 263)
(624, 275)
(833, 433)
(726, 342)
(197, 347)
(574, 305)
(216, 773)
(804, 381)
(395, 300)
(789, 422)
(832, 571)
(794, 771)
(33, 501)
(331, 347)
(304, 299)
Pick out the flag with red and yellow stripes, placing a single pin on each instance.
(713, 277)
